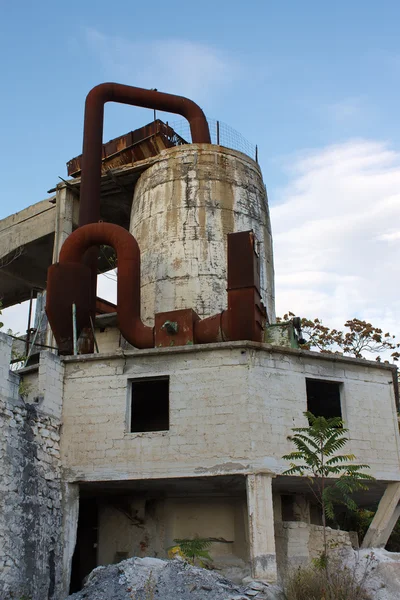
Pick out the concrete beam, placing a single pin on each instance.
(261, 527)
(385, 518)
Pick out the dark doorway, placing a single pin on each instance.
(84, 559)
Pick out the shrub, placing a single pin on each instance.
(333, 582)
(193, 550)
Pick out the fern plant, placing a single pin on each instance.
(316, 458)
(194, 549)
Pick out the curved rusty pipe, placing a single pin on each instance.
(89, 211)
(89, 205)
(128, 281)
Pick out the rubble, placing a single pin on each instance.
(156, 579)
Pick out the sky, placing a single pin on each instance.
(315, 85)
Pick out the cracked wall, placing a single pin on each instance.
(184, 206)
(30, 484)
(232, 407)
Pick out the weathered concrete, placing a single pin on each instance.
(133, 526)
(261, 527)
(30, 492)
(233, 405)
(70, 513)
(297, 543)
(26, 245)
(67, 207)
(385, 518)
(183, 208)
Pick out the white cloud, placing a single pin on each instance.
(171, 65)
(335, 229)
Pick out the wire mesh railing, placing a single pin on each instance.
(221, 135)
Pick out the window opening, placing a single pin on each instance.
(323, 398)
(287, 507)
(150, 405)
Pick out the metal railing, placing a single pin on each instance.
(221, 135)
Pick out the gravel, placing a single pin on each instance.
(155, 579)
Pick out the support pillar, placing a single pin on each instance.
(70, 528)
(261, 527)
(67, 207)
(385, 518)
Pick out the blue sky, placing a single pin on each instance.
(315, 85)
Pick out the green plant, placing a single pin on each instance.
(336, 582)
(316, 458)
(24, 388)
(194, 549)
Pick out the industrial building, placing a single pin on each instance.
(166, 415)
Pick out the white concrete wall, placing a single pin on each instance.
(231, 410)
(108, 339)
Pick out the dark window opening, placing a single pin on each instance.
(150, 405)
(315, 514)
(323, 398)
(287, 507)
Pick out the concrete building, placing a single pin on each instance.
(119, 452)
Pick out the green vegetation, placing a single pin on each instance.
(333, 583)
(316, 458)
(193, 550)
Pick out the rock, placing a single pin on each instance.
(257, 585)
(143, 578)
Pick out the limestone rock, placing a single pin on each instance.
(143, 578)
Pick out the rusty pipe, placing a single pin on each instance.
(89, 205)
(89, 211)
(128, 281)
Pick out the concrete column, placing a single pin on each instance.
(66, 217)
(67, 208)
(70, 502)
(385, 518)
(261, 527)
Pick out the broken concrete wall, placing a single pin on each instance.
(30, 492)
(297, 542)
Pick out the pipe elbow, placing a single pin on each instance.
(137, 333)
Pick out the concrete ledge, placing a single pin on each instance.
(240, 345)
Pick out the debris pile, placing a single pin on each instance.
(156, 579)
